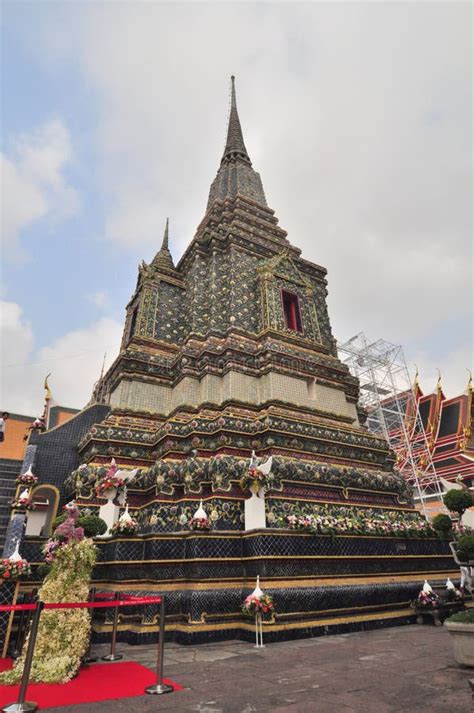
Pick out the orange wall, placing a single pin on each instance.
(63, 417)
(15, 428)
(13, 447)
(61, 414)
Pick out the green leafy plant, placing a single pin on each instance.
(92, 525)
(442, 524)
(462, 617)
(458, 501)
(43, 570)
(465, 548)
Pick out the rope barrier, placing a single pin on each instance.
(126, 600)
(18, 607)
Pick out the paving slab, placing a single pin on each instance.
(397, 670)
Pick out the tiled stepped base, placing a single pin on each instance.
(9, 469)
(206, 615)
(319, 583)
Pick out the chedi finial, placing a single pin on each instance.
(164, 244)
(163, 257)
(235, 146)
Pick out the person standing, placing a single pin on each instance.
(3, 419)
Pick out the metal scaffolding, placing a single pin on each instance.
(392, 407)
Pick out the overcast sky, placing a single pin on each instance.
(358, 117)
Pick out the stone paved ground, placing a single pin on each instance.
(386, 671)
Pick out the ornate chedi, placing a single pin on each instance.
(228, 352)
(232, 350)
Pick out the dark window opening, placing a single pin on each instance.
(449, 419)
(424, 409)
(291, 310)
(133, 322)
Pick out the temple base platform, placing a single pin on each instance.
(320, 584)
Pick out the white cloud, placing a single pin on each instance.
(22, 204)
(33, 183)
(453, 368)
(74, 360)
(100, 298)
(357, 116)
(16, 338)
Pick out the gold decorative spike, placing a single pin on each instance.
(416, 382)
(48, 395)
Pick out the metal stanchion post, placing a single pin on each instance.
(24, 625)
(19, 632)
(113, 656)
(259, 631)
(22, 706)
(159, 686)
(88, 657)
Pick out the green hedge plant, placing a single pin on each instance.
(465, 548)
(458, 501)
(443, 524)
(93, 525)
(462, 617)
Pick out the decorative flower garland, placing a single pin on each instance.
(221, 470)
(27, 478)
(65, 534)
(257, 605)
(360, 523)
(124, 527)
(200, 523)
(459, 530)
(13, 569)
(49, 549)
(454, 595)
(108, 483)
(63, 635)
(22, 502)
(255, 480)
(427, 599)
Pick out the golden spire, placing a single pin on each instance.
(438, 383)
(48, 395)
(416, 383)
(469, 383)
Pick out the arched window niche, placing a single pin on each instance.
(40, 520)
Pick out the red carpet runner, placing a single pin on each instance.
(98, 682)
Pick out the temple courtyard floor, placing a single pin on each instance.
(408, 668)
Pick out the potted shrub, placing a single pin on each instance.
(461, 628)
(443, 525)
